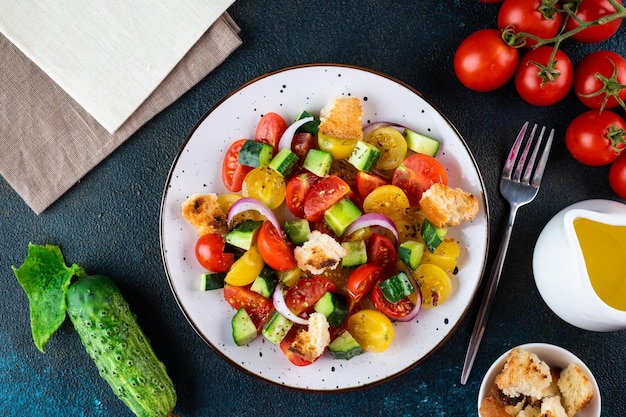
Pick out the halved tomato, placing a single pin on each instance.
(322, 195)
(382, 251)
(233, 172)
(366, 182)
(306, 292)
(297, 189)
(391, 310)
(275, 251)
(302, 143)
(270, 129)
(285, 344)
(361, 280)
(259, 308)
(416, 174)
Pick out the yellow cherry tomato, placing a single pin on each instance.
(435, 284)
(245, 269)
(266, 185)
(339, 148)
(227, 200)
(444, 256)
(392, 146)
(371, 329)
(388, 200)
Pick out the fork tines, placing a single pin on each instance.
(523, 161)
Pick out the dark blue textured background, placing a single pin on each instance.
(108, 223)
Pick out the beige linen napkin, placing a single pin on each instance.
(48, 141)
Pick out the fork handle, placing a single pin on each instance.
(488, 296)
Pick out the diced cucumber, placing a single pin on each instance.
(276, 328)
(339, 216)
(297, 230)
(420, 143)
(311, 127)
(318, 162)
(334, 307)
(396, 287)
(255, 154)
(244, 330)
(364, 156)
(212, 281)
(356, 253)
(290, 277)
(410, 252)
(344, 346)
(433, 236)
(265, 283)
(244, 235)
(284, 162)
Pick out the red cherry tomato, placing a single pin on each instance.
(361, 280)
(210, 253)
(391, 310)
(233, 172)
(366, 182)
(595, 138)
(382, 251)
(599, 80)
(297, 189)
(617, 176)
(540, 85)
(529, 16)
(484, 62)
(285, 344)
(302, 143)
(270, 129)
(259, 308)
(306, 292)
(588, 11)
(275, 251)
(416, 174)
(324, 194)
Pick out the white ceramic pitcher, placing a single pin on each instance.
(561, 273)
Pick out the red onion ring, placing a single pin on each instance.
(376, 125)
(373, 219)
(287, 137)
(249, 203)
(278, 299)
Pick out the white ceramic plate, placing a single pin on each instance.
(197, 170)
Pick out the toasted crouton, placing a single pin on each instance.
(319, 253)
(444, 206)
(524, 374)
(551, 407)
(204, 213)
(341, 118)
(530, 411)
(310, 344)
(576, 389)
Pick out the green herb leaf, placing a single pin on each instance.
(45, 278)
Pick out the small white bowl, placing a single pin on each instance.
(553, 356)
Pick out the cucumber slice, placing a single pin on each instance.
(276, 328)
(432, 235)
(344, 346)
(364, 156)
(265, 283)
(244, 330)
(284, 162)
(255, 154)
(244, 234)
(212, 281)
(420, 143)
(318, 162)
(334, 307)
(339, 216)
(411, 252)
(297, 230)
(396, 287)
(356, 253)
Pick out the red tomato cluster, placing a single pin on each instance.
(525, 48)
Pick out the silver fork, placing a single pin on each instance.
(518, 190)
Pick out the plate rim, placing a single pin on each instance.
(186, 314)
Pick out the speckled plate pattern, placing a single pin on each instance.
(197, 169)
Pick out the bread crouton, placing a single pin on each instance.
(310, 344)
(524, 374)
(319, 253)
(204, 213)
(529, 411)
(551, 407)
(444, 206)
(341, 118)
(576, 389)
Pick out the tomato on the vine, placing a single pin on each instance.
(589, 11)
(484, 62)
(233, 172)
(542, 82)
(210, 253)
(596, 138)
(600, 80)
(530, 16)
(275, 251)
(270, 129)
(617, 176)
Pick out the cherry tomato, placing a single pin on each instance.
(595, 138)
(258, 307)
(302, 143)
(285, 344)
(416, 174)
(382, 251)
(599, 80)
(306, 292)
(210, 253)
(387, 199)
(541, 84)
(246, 268)
(366, 182)
(391, 310)
(392, 146)
(270, 129)
(275, 250)
(531, 17)
(233, 172)
(588, 11)
(361, 280)
(297, 189)
(617, 176)
(266, 185)
(435, 285)
(484, 62)
(324, 194)
(371, 329)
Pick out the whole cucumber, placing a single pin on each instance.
(110, 334)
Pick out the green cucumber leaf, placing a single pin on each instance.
(45, 278)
